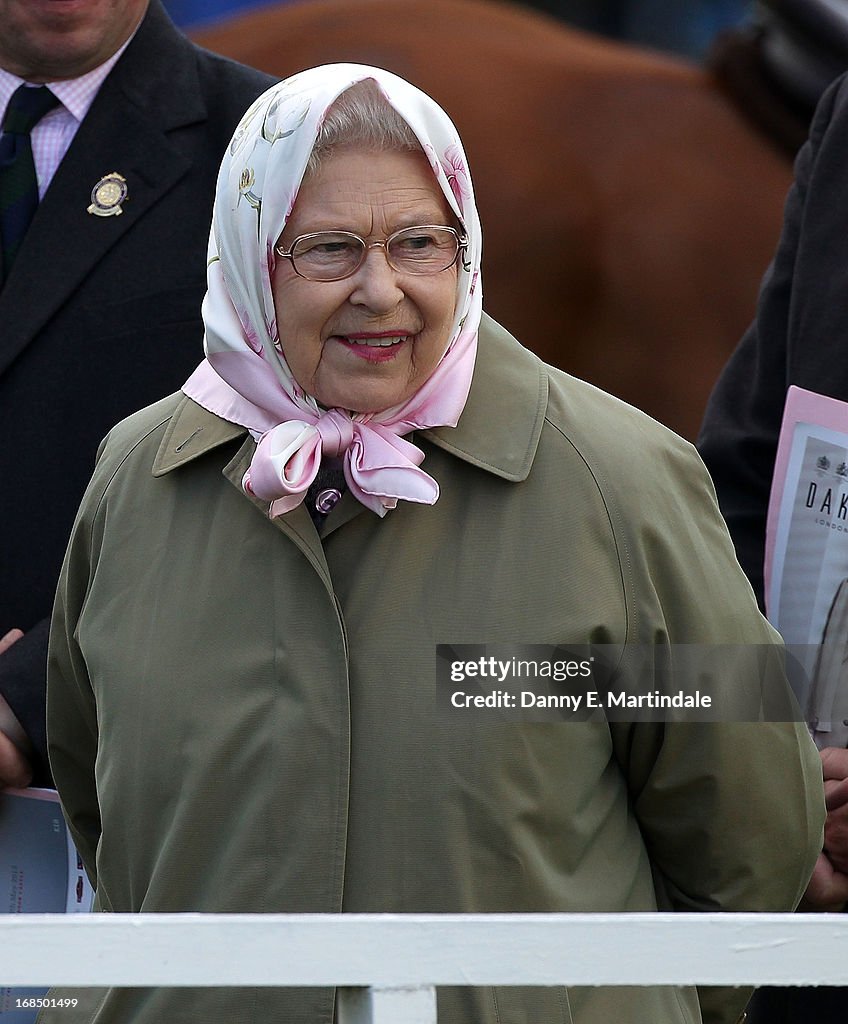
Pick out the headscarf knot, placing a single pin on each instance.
(336, 432)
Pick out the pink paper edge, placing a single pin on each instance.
(35, 794)
(801, 407)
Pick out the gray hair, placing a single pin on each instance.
(361, 116)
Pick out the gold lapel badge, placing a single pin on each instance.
(108, 194)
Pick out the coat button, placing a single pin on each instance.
(327, 499)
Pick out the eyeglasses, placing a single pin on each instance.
(335, 255)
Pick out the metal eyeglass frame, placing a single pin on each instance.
(461, 247)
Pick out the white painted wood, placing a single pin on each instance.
(412, 1005)
(416, 949)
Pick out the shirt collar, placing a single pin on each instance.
(75, 94)
(498, 430)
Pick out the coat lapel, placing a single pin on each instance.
(125, 131)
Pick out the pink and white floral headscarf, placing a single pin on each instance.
(245, 378)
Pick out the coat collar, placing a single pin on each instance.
(502, 420)
(152, 90)
(498, 431)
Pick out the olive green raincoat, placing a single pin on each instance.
(242, 713)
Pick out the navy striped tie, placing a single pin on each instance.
(18, 183)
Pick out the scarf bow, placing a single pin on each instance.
(379, 466)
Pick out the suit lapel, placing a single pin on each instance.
(125, 131)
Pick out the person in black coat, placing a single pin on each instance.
(100, 315)
(799, 336)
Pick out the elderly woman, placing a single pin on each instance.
(243, 707)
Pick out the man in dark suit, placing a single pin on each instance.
(100, 310)
(799, 336)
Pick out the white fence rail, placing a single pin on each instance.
(387, 966)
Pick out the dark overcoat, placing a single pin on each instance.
(799, 336)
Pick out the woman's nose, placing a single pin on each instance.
(377, 284)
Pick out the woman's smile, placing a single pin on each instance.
(376, 347)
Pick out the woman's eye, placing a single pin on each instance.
(415, 243)
(332, 248)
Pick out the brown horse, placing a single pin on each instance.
(628, 211)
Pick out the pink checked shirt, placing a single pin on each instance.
(53, 134)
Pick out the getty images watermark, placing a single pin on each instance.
(632, 682)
